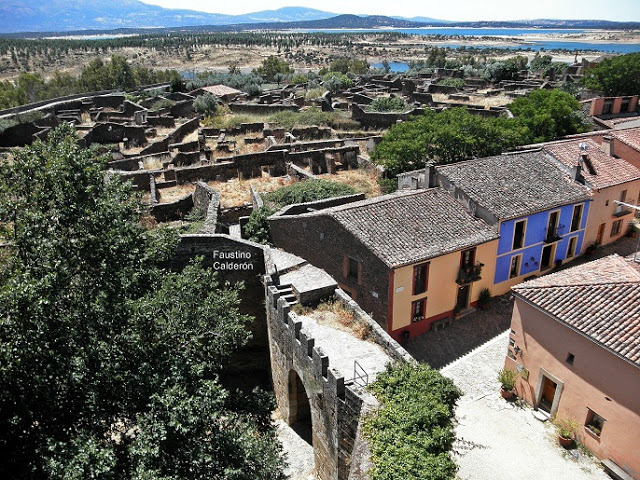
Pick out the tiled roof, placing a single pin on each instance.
(220, 90)
(600, 299)
(630, 137)
(411, 226)
(609, 171)
(515, 185)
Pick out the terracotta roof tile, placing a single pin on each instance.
(600, 299)
(609, 171)
(410, 226)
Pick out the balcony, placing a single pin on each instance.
(621, 212)
(469, 274)
(552, 236)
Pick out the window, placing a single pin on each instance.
(624, 105)
(417, 310)
(571, 249)
(514, 270)
(607, 108)
(420, 275)
(552, 227)
(616, 227)
(518, 234)
(467, 258)
(352, 269)
(576, 219)
(594, 422)
(623, 198)
(570, 358)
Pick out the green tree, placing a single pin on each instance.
(109, 365)
(450, 136)
(615, 76)
(206, 104)
(271, 66)
(549, 114)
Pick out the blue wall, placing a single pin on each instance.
(534, 241)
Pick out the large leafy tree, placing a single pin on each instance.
(109, 364)
(615, 76)
(446, 137)
(549, 114)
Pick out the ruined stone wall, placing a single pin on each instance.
(261, 108)
(207, 201)
(19, 135)
(166, 212)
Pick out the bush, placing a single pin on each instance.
(257, 228)
(387, 104)
(160, 104)
(507, 379)
(615, 76)
(452, 82)
(411, 434)
(336, 81)
(206, 104)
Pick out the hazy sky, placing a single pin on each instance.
(621, 10)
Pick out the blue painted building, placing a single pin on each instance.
(539, 211)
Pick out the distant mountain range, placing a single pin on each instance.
(65, 16)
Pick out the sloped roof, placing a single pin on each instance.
(515, 185)
(410, 226)
(600, 299)
(609, 171)
(220, 90)
(629, 136)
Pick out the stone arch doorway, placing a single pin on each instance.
(299, 408)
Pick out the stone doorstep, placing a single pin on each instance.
(541, 415)
(615, 471)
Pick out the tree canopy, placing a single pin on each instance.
(549, 114)
(446, 137)
(272, 66)
(615, 76)
(109, 364)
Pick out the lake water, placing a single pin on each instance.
(502, 32)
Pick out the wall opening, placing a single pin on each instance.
(299, 409)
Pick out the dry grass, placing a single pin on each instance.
(168, 195)
(235, 192)
(333, 314)
(479, 101)
(363, 181)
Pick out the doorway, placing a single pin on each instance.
(600, 233)
(547, 254)
(548, 395)
(299, 408)
(462, 300)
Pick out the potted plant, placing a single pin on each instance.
(507, 379)
(484, 298)
(566, 431)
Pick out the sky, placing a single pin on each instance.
(460, 10)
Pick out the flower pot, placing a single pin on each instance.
(507, 394)
(565, 442)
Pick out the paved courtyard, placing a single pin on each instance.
(496, 439)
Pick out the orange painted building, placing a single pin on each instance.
(407, 258)
(575, 339)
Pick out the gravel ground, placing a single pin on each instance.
(299, 454)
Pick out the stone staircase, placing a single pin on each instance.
(286, 292)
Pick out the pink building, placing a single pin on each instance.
(575, 339)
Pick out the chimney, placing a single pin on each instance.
(430, 175)
(576, 171)
(607, 145)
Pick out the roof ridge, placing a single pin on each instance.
(523, 286)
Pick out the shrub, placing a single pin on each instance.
(452, 82)
(336, 81)
(387, 104)
(206, 104)
(257, 228)
(507, 378)
(411, 434)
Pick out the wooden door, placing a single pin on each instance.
(462, 301)
(548, 394)
(600, 233)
